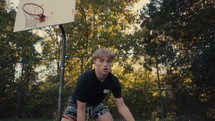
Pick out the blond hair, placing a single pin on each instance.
(103, 52)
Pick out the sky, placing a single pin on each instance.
(136, 6)
(140, 4)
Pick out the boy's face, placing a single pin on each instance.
(103, 65)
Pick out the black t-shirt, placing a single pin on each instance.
(92, 91)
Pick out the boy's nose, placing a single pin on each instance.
(105, 63)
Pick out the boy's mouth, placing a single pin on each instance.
(105, 69)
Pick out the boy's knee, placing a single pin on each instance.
(68, 118)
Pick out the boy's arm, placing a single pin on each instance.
(81, 107)
(123, 109)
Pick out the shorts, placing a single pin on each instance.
(91, 111)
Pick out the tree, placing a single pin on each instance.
(180, 33)
(16, 49)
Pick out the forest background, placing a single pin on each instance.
(165, 59)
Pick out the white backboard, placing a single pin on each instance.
(40, 13)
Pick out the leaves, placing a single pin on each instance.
(180, 37)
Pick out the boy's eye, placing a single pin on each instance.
(108, 60)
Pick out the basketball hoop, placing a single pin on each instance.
(33, 14)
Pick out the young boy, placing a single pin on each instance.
(91, 89)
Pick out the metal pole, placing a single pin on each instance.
(60, 97)
(160, 91)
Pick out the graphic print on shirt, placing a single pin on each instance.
(106, 91)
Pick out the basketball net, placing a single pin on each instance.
(33, 13)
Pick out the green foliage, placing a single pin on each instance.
(16, 50)
(179, 35)
(176, 35)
